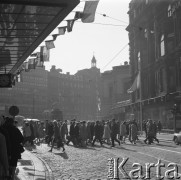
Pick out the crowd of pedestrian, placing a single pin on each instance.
(151, 128)
(57, 133)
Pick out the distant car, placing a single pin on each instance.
(177, 138)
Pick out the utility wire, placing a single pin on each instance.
(107, 24)
(140, 28)
(115, 56)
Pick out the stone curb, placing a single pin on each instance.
(48, 172)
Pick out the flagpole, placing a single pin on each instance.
(141, 109)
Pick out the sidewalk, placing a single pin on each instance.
(31, 167)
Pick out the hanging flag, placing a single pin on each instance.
(61, 30)
(44, 54)
(25, 66)
(38, 62)
(50, 44)
(31, 63)
(54, 36)
(89, 11)
(70, 24)
(78, 15)
(135, 85)
(34, 54)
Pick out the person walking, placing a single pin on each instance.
(97, 133)
(114, 132)
(159, 126)
(16, 139)
(133, 132)
(71, 136)
(107, 133)
(56, 137)
(123, 131)
(83, 134)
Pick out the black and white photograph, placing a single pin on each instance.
(90, 89)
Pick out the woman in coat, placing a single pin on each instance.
(107, 133)
(123, 132)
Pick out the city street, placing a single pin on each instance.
(92, 162)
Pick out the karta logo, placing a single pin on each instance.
(117, 170)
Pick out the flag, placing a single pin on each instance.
(61, 30)
(31, 63)
(135, 85)
(99, 104)
(35, 54)
(38, 62)
(54, 36)
(25, 66)
(44, 54)
(70, 24)
(89, 11)
(78, 15)
(50, 44)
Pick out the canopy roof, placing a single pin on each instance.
(24, 24)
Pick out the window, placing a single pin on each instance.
(169, 11)
(162, 45)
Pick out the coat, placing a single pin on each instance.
(123, 130)
(133, 131)
(4, 166)
(83, 132)
(107, 132)
(114, 130)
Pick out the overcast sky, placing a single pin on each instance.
(74, 51)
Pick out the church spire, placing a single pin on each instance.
(93, 61)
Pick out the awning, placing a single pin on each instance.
(24, 24)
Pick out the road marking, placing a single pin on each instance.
(166, 150)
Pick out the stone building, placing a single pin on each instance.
(115, 84)
(155, 55)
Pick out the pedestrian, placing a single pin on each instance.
(107, 133)
(133, 132)
(97, 133)
(16, 139)
(159, 126)
(89, 137)
(4, 164)
(83, 134)
(27, 133)
(123, 131)
(155, 132)
(64, 131)
(71, 136)
(56, 137)
(114, 132)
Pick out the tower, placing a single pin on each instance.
(93, 62)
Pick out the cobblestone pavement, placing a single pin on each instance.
(92, 162)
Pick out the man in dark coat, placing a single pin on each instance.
(97, 133)
(16, 139)
(114, 132)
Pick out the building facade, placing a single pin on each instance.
(114, 86)
(155, 55)
(76, 95)
(30, 95)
